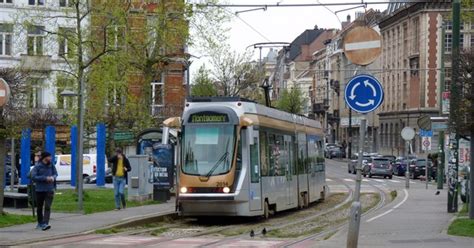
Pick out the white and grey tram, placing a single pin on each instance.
(239, 158)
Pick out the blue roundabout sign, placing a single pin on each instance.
(363, 93)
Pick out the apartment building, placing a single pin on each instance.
(416, 64)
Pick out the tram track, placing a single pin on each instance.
(382, 202)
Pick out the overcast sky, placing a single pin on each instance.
(282, 24)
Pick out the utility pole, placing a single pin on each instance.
(454, 104)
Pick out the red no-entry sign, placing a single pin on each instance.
(4, 92)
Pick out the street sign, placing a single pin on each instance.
(363, 93)
(426, 143)
(408, 133)
(426, 133)
(424, 122)
(4, 92)
(362, 45)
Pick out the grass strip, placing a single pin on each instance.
(95, 200)
(462, 227)
(15, 219)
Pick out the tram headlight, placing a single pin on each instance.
(183, 190)
(226, 190)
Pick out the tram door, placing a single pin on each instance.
(255, 181)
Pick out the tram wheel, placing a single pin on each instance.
(266, 210)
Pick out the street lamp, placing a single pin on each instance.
(79, 147)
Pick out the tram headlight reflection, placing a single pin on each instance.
(183, 190)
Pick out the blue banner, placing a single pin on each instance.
(100, 154)
(25, 155)
(73, 154)
(50, 137)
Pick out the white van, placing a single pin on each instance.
(63, 166)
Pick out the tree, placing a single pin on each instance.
(291, 101)
(12, 118)
(203, 85)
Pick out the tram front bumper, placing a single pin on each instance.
(212, 205)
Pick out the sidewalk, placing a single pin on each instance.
(421, 221)
(64, 225)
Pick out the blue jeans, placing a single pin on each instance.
(119, 186)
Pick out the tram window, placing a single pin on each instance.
(254, 176)
(301, 158)
(239, 154)
(264, 151)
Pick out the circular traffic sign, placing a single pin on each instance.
(362, 45)
(408, 133)
(426, 142)
(363, 93)
(4, 92)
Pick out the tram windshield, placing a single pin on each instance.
(208, 149)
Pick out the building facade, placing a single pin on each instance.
(416, 67)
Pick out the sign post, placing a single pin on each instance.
(408, 134)
(364, 94)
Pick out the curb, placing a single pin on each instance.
(136, 220)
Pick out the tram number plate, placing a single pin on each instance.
(222, 184)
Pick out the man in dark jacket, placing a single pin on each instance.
(120, 167)
(44, 175)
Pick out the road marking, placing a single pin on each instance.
(328, 180)
(365, 180)
(395, 181)
(390, 210)
(378, 180)
(348, 180)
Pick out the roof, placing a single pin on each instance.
(304, 38)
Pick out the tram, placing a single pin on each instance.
(240, 158)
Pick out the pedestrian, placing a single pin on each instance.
(120, 167)
(344, 146)
(44, 176)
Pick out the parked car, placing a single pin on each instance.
(328, 147)
(366, 160)
(63, 165)
(380, 167)
(400, 166)
(336, 152)
(418, 167)
(8, 173)
(93, 178)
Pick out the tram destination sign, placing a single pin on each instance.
(208, 117)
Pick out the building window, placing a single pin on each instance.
(6, 32)
(66, 46)
(36, 2)
(116, 36)
(157, 96)
(448, 25)
(416, 35)
(448, 42)
(35, 40)
(6, 1)
(66, 3)
(35, 93)
(472, 41)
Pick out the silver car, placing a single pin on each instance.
(380, 167)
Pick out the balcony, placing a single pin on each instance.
(36, 63)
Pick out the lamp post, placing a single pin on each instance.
(80, 138)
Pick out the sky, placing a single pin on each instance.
(282, 24)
